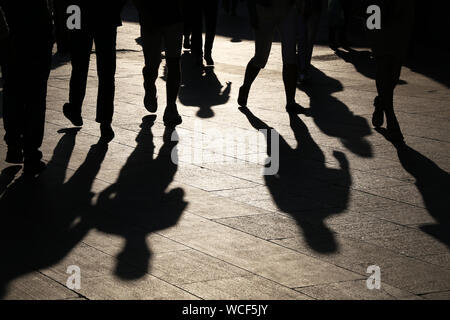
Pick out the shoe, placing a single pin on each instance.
(73, 116)
(107, 133)
(243, 96)
(33, 168)
(209, 60)
(378, 114)
(150, 99)
(393, 129)
(295, 108)
(14, 155)
(171, 117)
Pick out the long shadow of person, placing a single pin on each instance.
(40, 216)
(433, 184)
(333, 117)
(201, 88)
(139, 202)
(361, 60)
(296, 190)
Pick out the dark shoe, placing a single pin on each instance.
(171, 117)
(295, 108)
(209, 60)
(107, 133)
(150, 99)
(72, 115)
(378, 114)
(243, 96)
(33, 168)
(14, 155)
(393, 128)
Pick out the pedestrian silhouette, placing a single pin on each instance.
(102, 32)
(162, 22)
(25, 74)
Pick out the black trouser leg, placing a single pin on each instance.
(197, 27)
(105, 44)
(173, 80)
(152, 41)
(210, 9)
(290, 74)
(80, 50)
(13, 105)
(35, 101)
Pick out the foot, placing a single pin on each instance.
(171, 117)
(378, 114)
(107, 133)
(73, 116)
(393, 128)
(295, 108)
(150, 99)
(243, 96)
(14, 155)
(209, 60)
(33, 168)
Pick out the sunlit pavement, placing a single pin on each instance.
(214, 226)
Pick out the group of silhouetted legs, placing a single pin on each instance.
(26, 62)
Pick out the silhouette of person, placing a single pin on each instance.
(160, 21)
(266, 16)
(390, 45)
(202, 88)
(309, 18)
(25, 74)
(187, 25)
(296, 188)
(139, 202)
(206, 10)
(99, 22)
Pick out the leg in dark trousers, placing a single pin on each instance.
(105, 45)
(207, 9)
(388, 75)
(210, 12)
(80, 50)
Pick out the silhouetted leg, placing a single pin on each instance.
(81, 46)
(13, 110)
(173, 40)
(210, 9)
(263, 45)
(105, 45)
(152, 39)
(35, 103)
(388, 74)
(197, 30)
(288, 45)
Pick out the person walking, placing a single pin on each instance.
(162, 21)
(25, 74)
(390, 46)
(207, 11)
(266, 16)
(99, 22)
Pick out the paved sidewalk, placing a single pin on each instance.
(214, 227)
